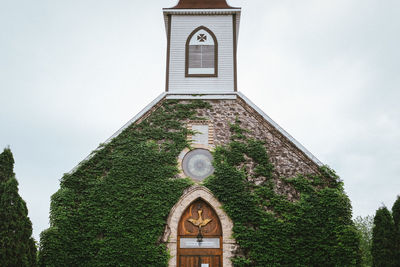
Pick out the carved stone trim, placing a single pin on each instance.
(210, 130)
(171, 230)
(181, 173)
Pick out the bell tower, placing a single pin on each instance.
(202, 40)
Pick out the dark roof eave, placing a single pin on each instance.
(202, 4)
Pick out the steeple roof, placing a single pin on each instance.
(202, 4)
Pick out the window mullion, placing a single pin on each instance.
(201, 56)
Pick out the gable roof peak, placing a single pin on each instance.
(202, 4)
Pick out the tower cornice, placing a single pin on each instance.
(201, 11)
(200, 4)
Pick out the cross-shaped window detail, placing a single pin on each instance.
(202, 37)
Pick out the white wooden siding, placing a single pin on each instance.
(181, 27)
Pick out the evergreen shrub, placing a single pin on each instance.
(383, 239)
(17, 247)
(396, 221)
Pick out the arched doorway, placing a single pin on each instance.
(199, 241)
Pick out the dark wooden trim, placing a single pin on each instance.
(168, 52)
(219, 258)
(215, 54)
(234, 24)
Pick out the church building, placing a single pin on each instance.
(201, 177)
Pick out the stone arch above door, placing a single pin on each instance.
(171, 230)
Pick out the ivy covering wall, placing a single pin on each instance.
(315, 230)
(112, 210)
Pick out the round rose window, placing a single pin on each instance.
(197, 164)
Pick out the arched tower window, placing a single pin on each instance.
(201, 54)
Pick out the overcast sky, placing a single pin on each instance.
(73, 72)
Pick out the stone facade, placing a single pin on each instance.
(287, 159)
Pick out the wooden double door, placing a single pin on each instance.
(199, 237)
(200, 261)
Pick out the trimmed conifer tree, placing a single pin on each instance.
(383, 239)
(396, 219)
(17, 247)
